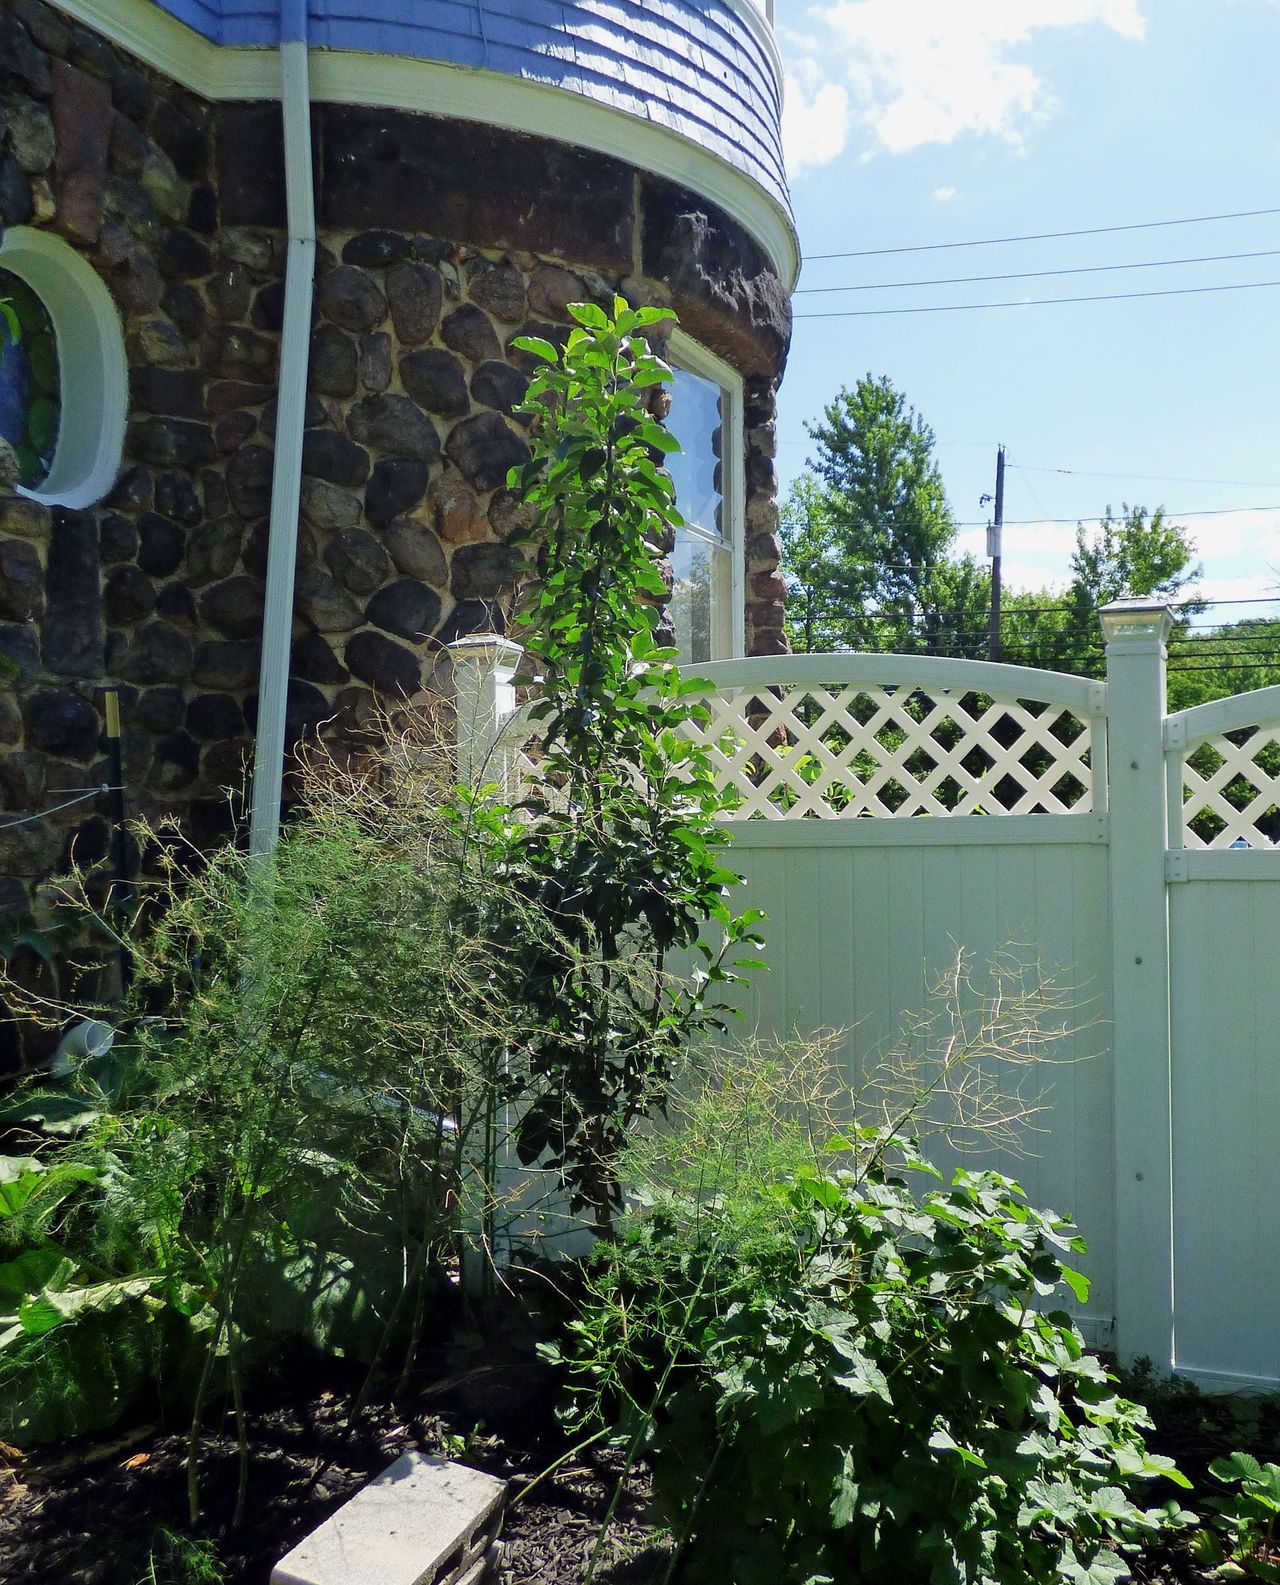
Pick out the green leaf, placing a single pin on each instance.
(1077, 1282)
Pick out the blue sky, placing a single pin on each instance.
(930, 121)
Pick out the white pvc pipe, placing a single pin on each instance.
(286, 478)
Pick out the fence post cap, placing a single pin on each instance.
(491, 647)
(1136, 616)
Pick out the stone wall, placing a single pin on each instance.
(439, 244)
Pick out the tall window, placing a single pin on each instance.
(706, 418)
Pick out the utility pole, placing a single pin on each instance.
(994, 531)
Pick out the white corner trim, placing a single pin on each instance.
(405, 83)
(93, 373)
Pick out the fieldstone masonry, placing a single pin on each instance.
(440, 244)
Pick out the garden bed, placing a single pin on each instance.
(86, 1513)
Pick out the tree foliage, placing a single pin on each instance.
(618, 845)
(868, 533)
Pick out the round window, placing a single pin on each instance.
(64, 380)
(29, 385)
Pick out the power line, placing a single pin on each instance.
(1036, 275)
(1036, 302)
(1046, 236)
(1158, 478)
(1035, 522)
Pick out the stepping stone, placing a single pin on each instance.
(423, 1521)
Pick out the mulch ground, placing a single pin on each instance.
(86, 1513)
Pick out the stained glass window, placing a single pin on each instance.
(29, 384)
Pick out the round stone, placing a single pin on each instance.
(496, 384)
(480, 572)
(349, 298)
(397, 485)
(357, 561)
(497, 288)
(128, 596)
(314, 660)
(383, 664)
(407, 608)
(552, 288)
(21, 581)
(234, 607)
(323, 605)
(327, 507)
(331, 456)
(223, 664)
(467, 331)
(213, 551)
(249, 481)
(214, 715)
(372, 249)
(393, 424)
(176, 763)
(436, 380)
(160, 709)
(509, 513)
(333, 361)
(374, 366)
(60, 722)
(415, 293)
(416, 551)
(160, 545)
(485, 448)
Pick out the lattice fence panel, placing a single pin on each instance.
(840, 751)
(1231, 790)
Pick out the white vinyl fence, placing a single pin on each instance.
(893, 810)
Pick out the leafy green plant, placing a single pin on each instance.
(870, 1388)
(1242, 1539)
(271, 1150)
(839, 1366)
(618, 846)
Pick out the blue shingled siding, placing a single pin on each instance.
(691, 65)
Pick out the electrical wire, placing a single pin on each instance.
(1047, 236)
(1036, 302)
(43, 814)
(1037, 275)
(1158, 478)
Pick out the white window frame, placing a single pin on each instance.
(728, 634)
(93, 372)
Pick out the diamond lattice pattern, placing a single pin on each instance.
(842, 751)
(1231, 790)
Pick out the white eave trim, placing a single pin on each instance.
(400, 82)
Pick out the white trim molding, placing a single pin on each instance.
(93, 373)
(223, 72)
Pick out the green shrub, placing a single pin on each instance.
(617, 846)
(842, 1367)
(869, 1388)
(1242, 1539)
(270, 1151)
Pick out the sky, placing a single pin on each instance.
(914, 122)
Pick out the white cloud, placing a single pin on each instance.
(895, 75)
(944, 194)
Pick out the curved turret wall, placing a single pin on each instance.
(441, 238)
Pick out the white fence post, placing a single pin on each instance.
(484, 670)
(1136, 632)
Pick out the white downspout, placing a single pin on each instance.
(291, 409)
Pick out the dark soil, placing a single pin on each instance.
(88, 1512)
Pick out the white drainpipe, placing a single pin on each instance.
(291, 409)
